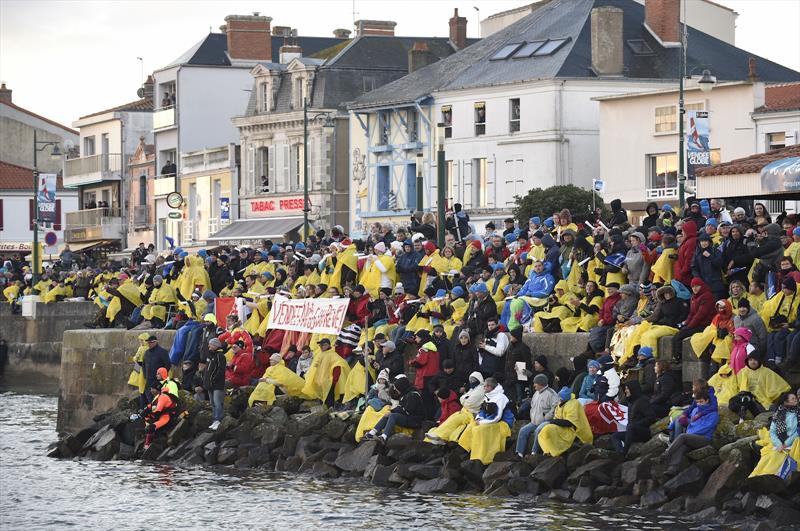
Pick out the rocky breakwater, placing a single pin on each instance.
(303, 437)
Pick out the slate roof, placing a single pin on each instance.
(39, 117)
(13, 177)
(751, 164)
(781, 97)
(212, 49)
(472, 67)
(142, 105)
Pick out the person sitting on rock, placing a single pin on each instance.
(665, 390)
(487, 434)
(782, 440)
(759, 387)
(379, 394)
(452, 428)
(276, 377)
(543, 405)
(586, 393)
(604, 413)
(409, 413)
(640, 417)
(240, 368)
(568, 423)
(700, 426)
(448, 403)
(161, 411)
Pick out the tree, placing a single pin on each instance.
(544, 202)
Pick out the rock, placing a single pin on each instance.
(722, 482)
(307, 446)
(210, 453)
(785, 515)
(227, 424)
(653, 447)
(289, 404)
(201, 421)
(653, 499)
(609, 491)
(597, 469)
(356, 460)
(766, 484)
(381, 475)
(705, 515)
(701, 453)
(424, 472)
(102, 433)
(268, 434)
(583, 495)
(306, 423)
(242, 433)
(659, 426)
(334, 429)
(603, 454)
(551, 472)
(227, 455)
(708, 465)
(623, 501)
(635, 470)
(561, 495)
(748, 502)
(203, 439)
(259, 455)
(473, 471)
(278, 416)
(229, 443)
(324, 470)
(687, 482)
(437, 485)
(292, 463)
(678, 505)
(497, 470)
(125, 452)
(743, 445)
(576, 457)
(521, 485)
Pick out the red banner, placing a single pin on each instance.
(223, 306)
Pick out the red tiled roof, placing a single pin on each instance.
(51, 122)
(144, 104)
(751, 164)
(781, 97)
(13, 177)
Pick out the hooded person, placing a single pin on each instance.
(280, 376)
(719, 334)
(759, 387)
(586, 392)
(741, 349)
(702, 309)
(724, 384)
(568, 423)
(707, 265)
(327, 377)
(683, 265)
(640, 417)
(448, 403)
(700, 423)
(137, 378)
(781, 440)
(452, 428)
(430, 265)
(486, 435)
(380, 271)
(746, 317)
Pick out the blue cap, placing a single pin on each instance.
(202, 253)
(510, 238)
(595, 364)
(268, 275)
(550, 223)
(264, 254)
(408, 242)
(711, 222)
(647, 352)
(178, 250)
(536, 220)
(480, 287)
(523, 256)
(300, 246)
(457, 291)
(440, 294)
(498, 267)
(183, 254)
(275, 248)
(796, 231)
(667, 207)
(565, 393)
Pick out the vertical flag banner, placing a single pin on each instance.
(224, 208)
(698, 153)
(47, 197)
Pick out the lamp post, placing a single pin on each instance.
(420, 184)
(440, 184)
(56, 154)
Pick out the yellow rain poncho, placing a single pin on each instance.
(319, 378)
(437, 262)
(484, 441)
(370, 418)
(356, 382)
(160, 297)
(286, 379)
(137, 379)
(53, 294)
(11, 293)
(763, 383)
(555, 440)
(256, 317)
(451, 429)
(725, 385)
(193, 275)
(371, 278)
(780, 304)
(130, 291)
(722, 347)
(495, 286)
(585, 321)
(663, 271)
(793, 252)
(771, 458)
(346, 258)
(257, 268)
(757, 301)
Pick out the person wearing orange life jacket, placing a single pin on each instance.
(162, 409)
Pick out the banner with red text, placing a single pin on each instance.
(321, 316)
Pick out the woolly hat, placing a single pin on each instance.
(479, 287)
(606, 362)
(541, 379)
(380, 247)
(646, 352)
(638, 235)
(498, 266)
(712, 222)
(789, 283)
(697, 282)
(595, 364)
(536, 220)
(457, 291)
(646, 287)
(565, 393)
(549, 223)
(389, 344)
(399, 288)
(430, 246)
(744, 303)
(214, 343)
(516, 332)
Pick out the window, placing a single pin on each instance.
(528, 49)
(480, 118)
(299, 92)
(513, 115)
(384, 127)
(262, 160)
(662, 173)
(265, 96)
(104, 144)
(384, 187)
(639, 47)
(666, 120)
(411, 186)
(411, 125)
(88, 146)
(447, 120)
(480, 183)
(506, 51)
(550, 47)
(451, 179)
(297, 167)
(776, 141)
(143, 190)
(167, 93)
(368, 83)
(216, 195)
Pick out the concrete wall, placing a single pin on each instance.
(95, 365)
(35, 344)
(16, 139)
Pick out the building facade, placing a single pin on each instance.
(141, 219)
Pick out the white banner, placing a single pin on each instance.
(321, 316)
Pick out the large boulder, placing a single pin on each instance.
(551, 472)
(306, 423)
(635, 470)
(653, 499)
(687, 482)
(437, 485)
(356, 461)
(598, 470)
(723, 482)
(766, 484)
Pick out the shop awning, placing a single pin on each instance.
(247, 231)
(85, 246)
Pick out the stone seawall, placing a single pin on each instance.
(95, 365)
(34, 345)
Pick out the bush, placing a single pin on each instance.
(543, 202)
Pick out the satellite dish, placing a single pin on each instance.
(140, 92)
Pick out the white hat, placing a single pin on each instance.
(417, 236)
(380, 247)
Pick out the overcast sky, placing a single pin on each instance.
(65, 59)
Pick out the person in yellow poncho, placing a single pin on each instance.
(495, 285)
(158, 299)
(559, 307)
(326, 378)
(725, 385)
(379, 272)
(431, 265)
(782, 307)
(793, 251)
(56, 293)
(756, 296)
(782, 440)
(451, 429)
(137, 378)
(569, 422)
(486, 435)
(759, 388)
(259, 264)
(280, 376)
(11, 293)
(340, 268)
(663, 269)
(587, 310)
(125, 298)
(409, 412)
(193, 275)
(454, 263)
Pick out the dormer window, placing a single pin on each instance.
(299, 91)
(265, 96)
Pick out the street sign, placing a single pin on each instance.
(51, 238)
(175, 215)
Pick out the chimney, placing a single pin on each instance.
(383, 28)
(289, 51)
(341, 33)
(458, 31)
(752, 74)
(5, 93)
(282, 31)
(249, 37)
(149, 86)
(419, 56)
(607, 58)
(662, 18)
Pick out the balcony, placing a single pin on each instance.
(94, 224)
(164, 185)
(141, 217)
(662, 193)
(164, 117)
(92, 169)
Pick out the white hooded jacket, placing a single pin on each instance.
(473, 398)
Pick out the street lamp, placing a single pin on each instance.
(707, 82)
(329, 123)
(56, 155)
(420, 185)
(440, 183)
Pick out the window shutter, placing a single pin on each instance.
(1, 214)
(271, 165)
(30, 214)
(57, 222)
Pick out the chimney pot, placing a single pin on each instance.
(663, 19)
(606, 38)
(5, 93)
(288, 52)
(341, 33)
(249, 37)
(149, 86)
(420, 56)
(752, 74)
(458, 31)
(383, 28)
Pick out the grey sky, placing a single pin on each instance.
(65, 59)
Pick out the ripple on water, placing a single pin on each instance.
(61, 494)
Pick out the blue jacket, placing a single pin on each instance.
(709, 269)
(553, 255)
(407, 266)
(791, 430)
(586, 386)
(539, 285)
